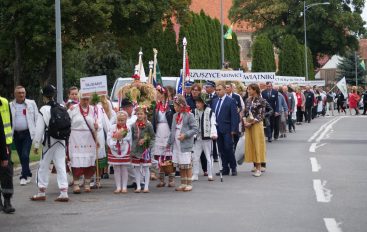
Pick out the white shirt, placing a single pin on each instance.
(31, 115)
(20, 120)
(217, 108)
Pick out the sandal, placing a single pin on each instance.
(161, 184)
(38, 198)
(146, 191)
(188, 188)
(76, 189)
(180, 188)
(137, 190)
(117, 191)
(62, 199)
(124, 191)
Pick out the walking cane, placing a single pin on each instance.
(219, 162)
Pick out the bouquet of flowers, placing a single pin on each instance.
(120, 133)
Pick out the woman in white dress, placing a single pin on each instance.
(83, 143)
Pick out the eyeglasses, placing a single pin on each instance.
(195, 90)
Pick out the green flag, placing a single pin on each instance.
(363, 65)
(228, 34)
(158, 75)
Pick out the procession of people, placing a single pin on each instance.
(158, 133)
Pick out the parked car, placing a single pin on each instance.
(121, 81)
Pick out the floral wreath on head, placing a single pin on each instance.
(136, 77)
(184, 107)
(161, 89)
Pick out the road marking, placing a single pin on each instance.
(332, 225)
(315, 166)
(322, 194)
(321, 129)
(314, 146)
(327, 128)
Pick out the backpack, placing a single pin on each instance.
(59, 126)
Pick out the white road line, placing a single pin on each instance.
(322, 194)
(332, 225)
(327, 128)
(314, 164)
(321, 129)
(314, 146)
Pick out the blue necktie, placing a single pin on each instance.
(218, 107)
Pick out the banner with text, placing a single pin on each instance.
(91, 85)
(215, 75)
(285, 80)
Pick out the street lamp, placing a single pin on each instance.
(221, 35)
(59, 85)
(305, 8)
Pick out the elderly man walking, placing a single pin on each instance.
(24, 117)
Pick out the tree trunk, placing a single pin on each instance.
(18, 67)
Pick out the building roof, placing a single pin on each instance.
(332, 63)
(212, 8)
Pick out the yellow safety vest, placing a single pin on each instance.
(5, 115)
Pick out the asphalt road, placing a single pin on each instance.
(315, 181)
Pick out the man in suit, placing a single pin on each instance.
(240, 105)
(225, 110)
(271, 96)
(309, 95)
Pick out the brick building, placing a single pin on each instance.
(243, 30)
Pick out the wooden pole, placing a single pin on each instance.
(184, 43)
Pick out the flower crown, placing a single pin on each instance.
(136, 77)
(161, 89)
(142, 107)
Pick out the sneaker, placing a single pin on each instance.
(257, 173)
(23, 182)
(253, 169)
(195, 178)
(262, 169)
(29, 180)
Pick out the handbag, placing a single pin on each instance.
(250, 118)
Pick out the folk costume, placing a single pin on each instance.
(183, 123)
(119, 154)
(53, 150)
(162, 122)
(82, 152)
(141, 155)
(103, 127)
(206, 123)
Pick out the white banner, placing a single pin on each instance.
(313, 83)
(285, 80)
(257, 77)
(91, 85)
(215, 75)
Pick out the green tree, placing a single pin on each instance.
(347, 69)
(326, 25)
(290, 57)
(263, 55)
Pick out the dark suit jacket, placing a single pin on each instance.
(227, 119)
(212, 99)
(272, 99)
(191, 102)
(237, 98)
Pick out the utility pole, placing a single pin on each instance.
(221, 34)
(59, 85)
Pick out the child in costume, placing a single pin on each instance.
(143, 138)
(207, 131)
(119, 140)
(181, 141)
(162, 122)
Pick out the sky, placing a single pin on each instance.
(364, 13)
